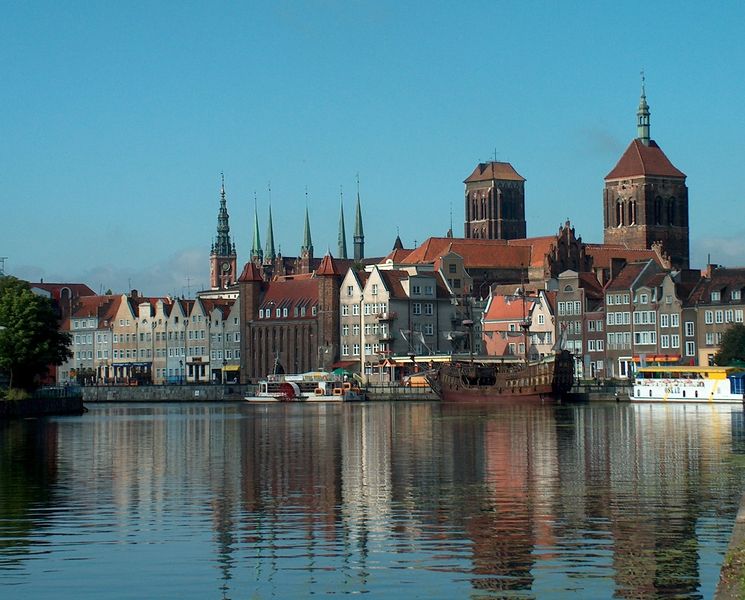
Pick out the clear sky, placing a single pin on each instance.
(117, 118)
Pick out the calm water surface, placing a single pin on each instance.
(406, 500)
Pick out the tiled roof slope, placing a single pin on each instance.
(475, 252)
(502, 171)
(640, 160)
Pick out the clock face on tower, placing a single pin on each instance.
(226, 267)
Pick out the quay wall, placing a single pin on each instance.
(166, 393)
(41, 407)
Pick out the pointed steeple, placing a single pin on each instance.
(307, 248)
(642, 117)
(342, 237)
(222, 245)
(270, 254)
(359, 235)
(256, 251)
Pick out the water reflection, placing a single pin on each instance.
(396, 500)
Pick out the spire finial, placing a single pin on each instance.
(642, 115)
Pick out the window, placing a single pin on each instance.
(345, 330)
(738, 315)
(668, 299)
(429, 329)
(664, 341)
(626, 298)
(416, 308)
(374, 289)
(644, 299)
(428, 290)
(355, 330)
(416, 290)
(709, 317)
(356, 350)
(350, 290)
(599, 325)
(716, 296)
(735, 294)
(719, 316)
(600, 345)
(451, 268)
(344, 310)
(690, 349)
(345, 349)
(562, 309)
(674, 320)
(428, 308)
(610, 299)
(675, 341)
(591, 345)
(689, 328)
(541, 319)
(664, 320)
(590, 325)
(709, 338)
(577, 307)
(356, 310)
(611, 318)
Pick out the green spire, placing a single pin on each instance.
(256, 251)
(342, 238)
(307, 242)
(270, 254)
(359, 235)
(642, 117)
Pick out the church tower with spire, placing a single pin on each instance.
(257, 254)
(645, 199)
(342, 236)
(223, 255)
(270, 254)
(306, 250)
(359, 234)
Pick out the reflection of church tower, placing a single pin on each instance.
(646, 198)
(495, 202)
(222, 256)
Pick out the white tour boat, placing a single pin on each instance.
(682, 383)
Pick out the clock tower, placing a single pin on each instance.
(222, 256)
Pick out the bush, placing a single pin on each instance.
(15, 394)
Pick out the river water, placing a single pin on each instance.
(389, 500)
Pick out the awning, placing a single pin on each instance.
(344, 364)
(231, 368)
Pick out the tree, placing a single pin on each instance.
(732, 347)
(30, 339)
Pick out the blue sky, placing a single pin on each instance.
(117, 118)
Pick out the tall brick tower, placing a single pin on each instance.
(250, 285)
(222, 255)
(329, 281)
(645, 199)
(495, 202)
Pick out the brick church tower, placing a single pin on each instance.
(222, 255)
(495, 202)
(645, 199)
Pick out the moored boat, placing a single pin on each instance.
(317, 386)
(682, 383)
(543, 380)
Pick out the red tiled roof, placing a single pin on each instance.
(392, 280)
(55, 289)
(508, 308)
(602, 254)
(539, 247)
(250, 273)
(476, 253)
(327, 266)
(626, 277)
(289, 293)
(502, 171)
(639, 160)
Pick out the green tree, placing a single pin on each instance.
(30, 339)
(732, 347)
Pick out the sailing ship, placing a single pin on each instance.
(544, 379)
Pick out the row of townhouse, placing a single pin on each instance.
(127, 339)
(646, 313)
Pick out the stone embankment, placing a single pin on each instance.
(166, 393)
(45, 402)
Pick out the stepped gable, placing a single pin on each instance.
(502, 171)
(640, 160)
(250, 273)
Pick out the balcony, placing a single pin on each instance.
(386, 337)
(387, 316)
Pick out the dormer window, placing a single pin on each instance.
(716, 296)
(261, 313)
(644, 298)
(736, 294)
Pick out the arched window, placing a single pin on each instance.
(671, 211)
(619, 213)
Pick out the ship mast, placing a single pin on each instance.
(525, 324)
